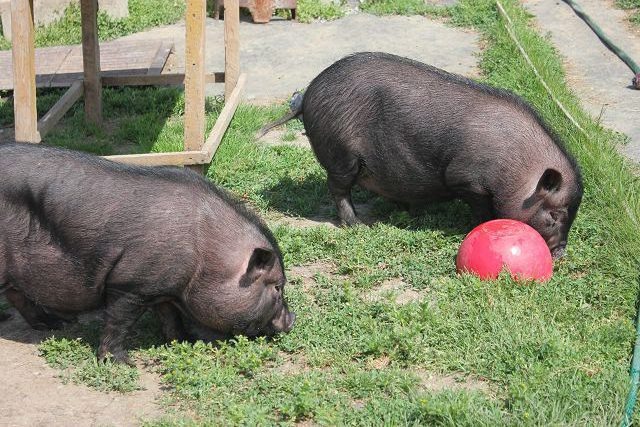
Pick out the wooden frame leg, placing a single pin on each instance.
(231, 46)
(91, 62)
(194, 80)
(24, 71)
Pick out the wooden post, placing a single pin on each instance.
(24, 71)
(194, 80)
(231, 46)
(91, 61)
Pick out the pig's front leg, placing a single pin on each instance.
(481, 207)
(171, 320)
(122, 311)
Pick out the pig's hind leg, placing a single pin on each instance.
(35, 315)
(342, 174)
(172, 326)
(481, 207)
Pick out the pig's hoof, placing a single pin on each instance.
(4, 316)
(351, 221)
(120, 356)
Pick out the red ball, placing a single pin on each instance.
(505, 243)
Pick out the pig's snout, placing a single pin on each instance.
(291, 319)
(284, 321)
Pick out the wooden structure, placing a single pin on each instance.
(61, 66)
(197, 149)
(261, 10)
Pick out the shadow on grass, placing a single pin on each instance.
(309, 198)
(135, 120)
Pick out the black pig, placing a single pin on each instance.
(414, 133)
(79, 232)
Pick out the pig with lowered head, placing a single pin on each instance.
(414, 133)
(78, 232)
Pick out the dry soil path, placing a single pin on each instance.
(32, 394)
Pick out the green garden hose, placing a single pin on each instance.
(611, 45)
(635, 378)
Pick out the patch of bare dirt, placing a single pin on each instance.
(31, 394)
(307, 272)
(306, 222)
(276, 137)
(326, 216)
(378, 363)
(291, 364)
(306, 423)
(433, 382)
(400, 292)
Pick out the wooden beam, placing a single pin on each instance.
(158, 159)
(222, 123)
(91, 61)
(194, 82)
(160, 59)
(158, 80)
(24, 72)
(231, 46)
(59, 109)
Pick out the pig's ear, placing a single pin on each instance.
(549, 182)
(261, 260)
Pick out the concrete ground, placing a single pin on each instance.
(599, 78)
(283, 56)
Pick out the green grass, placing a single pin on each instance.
(310, 10)
(551, 354)
(634, 6)
(145, 14)
(142, 14)
(78, 364)
(628, 4)
(402, 7)
(73, 351)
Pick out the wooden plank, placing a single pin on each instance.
(48, 64)
(59, 109)
(60, 66)
(24, 72)
(157, 159)
(162, 79)
(194, 83)
(222, 123)
(231, 46)
(160, 59)
(91, 61)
